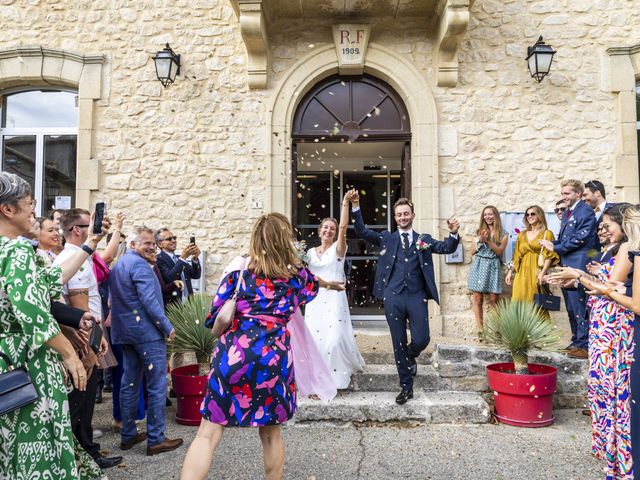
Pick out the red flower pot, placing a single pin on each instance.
(523, 400)
(189, 388)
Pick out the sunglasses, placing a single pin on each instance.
(603, 226)
(530, 214)
(560, 210)
(79, 226)
(168, 239)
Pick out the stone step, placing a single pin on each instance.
(432, 407)
(384, 378)
(387, 358)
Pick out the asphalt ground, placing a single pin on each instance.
(329, 451)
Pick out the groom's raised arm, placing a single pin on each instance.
(447, 246)
(363, 232)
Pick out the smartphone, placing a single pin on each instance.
(192, 240)
(98, 218)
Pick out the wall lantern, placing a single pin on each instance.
(539, 58)
(167, 65)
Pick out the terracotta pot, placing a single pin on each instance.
(189, 389)
(523, 400)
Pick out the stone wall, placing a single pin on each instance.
(194, 156)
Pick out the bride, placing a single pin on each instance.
(328, 316)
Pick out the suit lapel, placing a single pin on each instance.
(395, 243)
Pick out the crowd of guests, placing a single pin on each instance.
(597, 254)
(99, 311)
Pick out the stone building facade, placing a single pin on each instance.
(219, 147)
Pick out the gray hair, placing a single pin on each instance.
(159, 232)
(135, 236)
(13, 188)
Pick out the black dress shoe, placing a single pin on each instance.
(108, 462)
(413, 367)
(99, 396)
(404, 395)
(168, 402)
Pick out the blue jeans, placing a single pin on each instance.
(148, 359)
(576, 303)
(116, 380)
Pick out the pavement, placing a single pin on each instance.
(318, 450)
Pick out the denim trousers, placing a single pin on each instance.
(147, 359)
(116, 381)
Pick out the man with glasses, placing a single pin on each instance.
(173, 267)
(576, 241)
(82, 292)
(560, 209)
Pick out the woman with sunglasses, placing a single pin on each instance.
(485, 276)
(530, 260)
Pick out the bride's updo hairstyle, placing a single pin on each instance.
(272, 251)
(631, 227)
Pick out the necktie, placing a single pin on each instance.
(405, 242)
(597, 210)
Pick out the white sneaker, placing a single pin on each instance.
(97, 433)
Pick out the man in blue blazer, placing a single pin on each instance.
(139, 324)
(577, 245)
(405, 281)
(173, 267)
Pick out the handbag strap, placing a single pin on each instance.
(240, 275)
(7, 360)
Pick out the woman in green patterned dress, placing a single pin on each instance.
(36, 441)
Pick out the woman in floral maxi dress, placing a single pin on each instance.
(252, 379)
(36, 440)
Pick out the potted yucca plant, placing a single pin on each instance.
(523, 391)
(191, 337)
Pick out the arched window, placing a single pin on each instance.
(38, 141)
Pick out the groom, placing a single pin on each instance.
(405, 281)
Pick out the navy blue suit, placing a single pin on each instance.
(576, 241)
(172, 270)
(405, 281)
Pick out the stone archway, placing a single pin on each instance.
(44, 67)
(416, 95)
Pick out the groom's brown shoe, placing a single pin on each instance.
(165, 446)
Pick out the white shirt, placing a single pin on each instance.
(602, 207)
(410, 232)
(83, 279)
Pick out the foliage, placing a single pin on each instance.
(188, 321)
(519, 327)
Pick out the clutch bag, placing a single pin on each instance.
(546, 300)
(16, 388)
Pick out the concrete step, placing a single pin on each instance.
(384, 378)
(387, 358)
(432, 407)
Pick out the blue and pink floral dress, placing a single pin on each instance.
(252, 381)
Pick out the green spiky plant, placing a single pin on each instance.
(191, 335)
(519, 327)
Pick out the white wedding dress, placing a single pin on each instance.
(329, 321)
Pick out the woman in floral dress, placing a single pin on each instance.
(610, 354)
(36, 440)
(252, 380)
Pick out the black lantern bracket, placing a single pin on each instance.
(167, 64)
(539, 59)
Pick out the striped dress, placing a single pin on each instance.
(610, 359)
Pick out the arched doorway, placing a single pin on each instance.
(350, 132)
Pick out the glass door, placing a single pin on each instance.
(322, 176)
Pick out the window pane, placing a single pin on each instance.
(38, 108)
(18, 156)
(313, 197)
(59, 169)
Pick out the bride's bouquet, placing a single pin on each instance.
(301, 250)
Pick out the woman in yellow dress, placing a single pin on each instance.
(526, 263)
